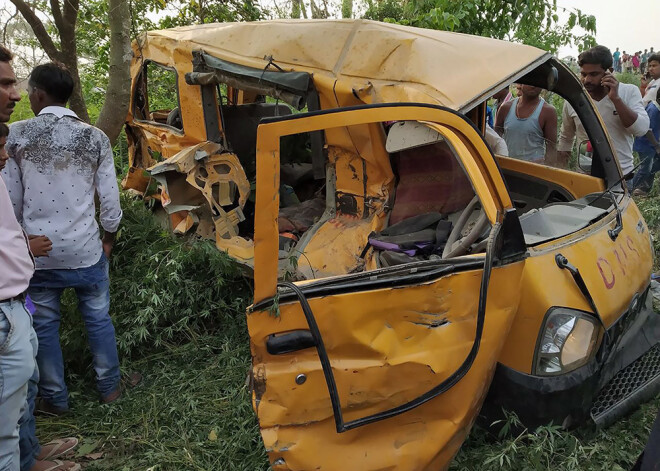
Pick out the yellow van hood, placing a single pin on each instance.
(380, 62)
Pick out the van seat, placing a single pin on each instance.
(431, 180)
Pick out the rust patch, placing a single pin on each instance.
(258, 383)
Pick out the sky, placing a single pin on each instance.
(630, 25)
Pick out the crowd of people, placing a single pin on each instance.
(631, 63)
(52, 166)
(528, 125)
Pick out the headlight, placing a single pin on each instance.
(567, 341)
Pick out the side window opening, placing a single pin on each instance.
(156, 96)
(301, 196)
(537, 133)
(428, 212)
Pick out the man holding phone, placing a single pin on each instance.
(619, 104)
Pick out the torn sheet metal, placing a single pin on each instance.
(206, 176)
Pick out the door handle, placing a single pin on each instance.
(278, 344)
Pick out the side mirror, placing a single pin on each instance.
(585, 154)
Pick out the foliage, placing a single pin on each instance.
(204, 11)
(191, 412)
(22, 110)
(161, 88)
(629, 77)
(347, 9)
(650, 208)
(534, 22)
(549, 447)
(164, 290)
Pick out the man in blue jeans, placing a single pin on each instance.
(19, 449)
(60, 162)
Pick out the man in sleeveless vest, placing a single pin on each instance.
(529, 126)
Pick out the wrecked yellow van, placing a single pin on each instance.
(404, 275)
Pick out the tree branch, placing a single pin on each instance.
(39, 29)
(4, 29)
(57, 15)
(71, 13)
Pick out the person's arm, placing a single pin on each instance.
(496, 143)
(566, 137)
(502, 112)
(105, 182)
(40, 245)
(654, 142)
(549, 117)
(628, 106)
(13, 179)
(644, 82)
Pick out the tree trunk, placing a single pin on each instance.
(115, 107)
(65, 21)
(77, 101)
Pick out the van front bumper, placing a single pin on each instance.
(611, 385)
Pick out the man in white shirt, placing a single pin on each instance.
(619, 104)
(651, 90)
(59, 163)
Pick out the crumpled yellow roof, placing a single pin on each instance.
(381, 62)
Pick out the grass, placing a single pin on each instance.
(193, 410)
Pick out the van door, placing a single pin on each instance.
(384, 369)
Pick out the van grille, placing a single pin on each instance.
(630, 381)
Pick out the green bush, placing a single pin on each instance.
(164, 290)
(629, 77)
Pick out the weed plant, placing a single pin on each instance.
(164, 291)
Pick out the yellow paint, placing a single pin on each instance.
(383, 353)
(577, 184)
(626, 266)
(386, 346)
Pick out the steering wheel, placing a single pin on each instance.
(457, 245)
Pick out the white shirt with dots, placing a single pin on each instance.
(57, 163)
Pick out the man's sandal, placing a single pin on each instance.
(57, 448)
(56, 465)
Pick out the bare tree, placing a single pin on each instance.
(18, 36)
(65, 22)
(65, 16)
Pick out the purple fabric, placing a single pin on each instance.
(29, 305)
(379, 244)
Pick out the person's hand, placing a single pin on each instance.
(610, 82)
(40, 245)
(562, 158)
(657, 149)
(107, 247)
